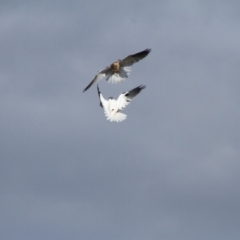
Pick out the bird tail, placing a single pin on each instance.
(118, 77)
(118, 117)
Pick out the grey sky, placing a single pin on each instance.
(170, 171)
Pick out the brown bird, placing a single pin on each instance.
(119, 70)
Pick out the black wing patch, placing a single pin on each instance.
(134, 92)
(139, 56)
(99, 96)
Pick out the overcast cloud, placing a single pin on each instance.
(170, 171)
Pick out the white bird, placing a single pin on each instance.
(119, 70)
(112, 108)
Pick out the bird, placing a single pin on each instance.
(119, 70)
(112, 108)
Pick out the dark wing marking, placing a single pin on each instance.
(99, 96)
(125, 98)
(134, 92)
(101, 74)
(131, 59)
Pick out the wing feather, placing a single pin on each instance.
(125, 98)
(103, 101)
(131, 59)
(101, 74)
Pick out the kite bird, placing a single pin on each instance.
(119, 70)
(112, 108)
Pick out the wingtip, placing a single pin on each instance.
(89, 85)
(86, 88)
(148, 50)
(141, 87)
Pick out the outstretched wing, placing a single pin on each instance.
(103, 101)
(101, 74)
(131, 59)
(125, 98)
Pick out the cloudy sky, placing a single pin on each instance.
(170, 171)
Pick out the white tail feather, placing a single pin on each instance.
(118, 77)
(118, 117)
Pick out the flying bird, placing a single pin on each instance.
(112, 108)
(119, 70)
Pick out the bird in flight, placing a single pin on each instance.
(119, 70)
(112, 108)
